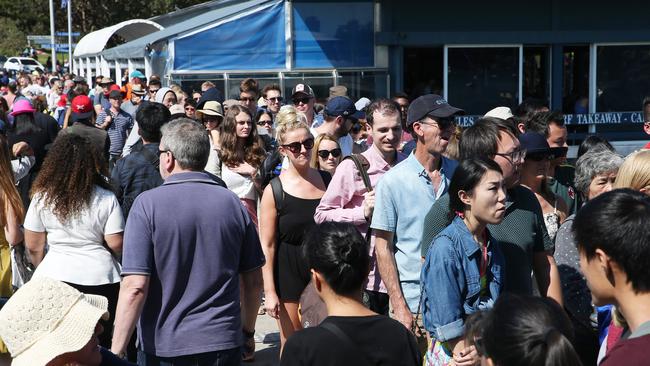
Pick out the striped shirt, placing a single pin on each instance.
(118, 130)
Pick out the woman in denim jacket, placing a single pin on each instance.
(464, 268)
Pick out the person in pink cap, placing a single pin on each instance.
(28, 126)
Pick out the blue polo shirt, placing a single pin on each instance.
(193, 238)
(402, 198)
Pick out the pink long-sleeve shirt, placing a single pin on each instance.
(343, 201)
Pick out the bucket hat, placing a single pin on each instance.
(210, 108)
(47, 318)
(22, 106)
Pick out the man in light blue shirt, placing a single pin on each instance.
(404, 194)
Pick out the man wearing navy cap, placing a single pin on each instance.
(403, 193)
(340, 115)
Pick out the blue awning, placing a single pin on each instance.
(251, 41)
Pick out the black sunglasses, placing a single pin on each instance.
(539, 156)
(303, 100)
(264, 123)
(295, 147)
(559, 152)
(324, 154)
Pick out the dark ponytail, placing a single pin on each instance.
(528, 331)
(340, 254)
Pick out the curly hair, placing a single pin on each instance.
(230, 154)
(68, 176)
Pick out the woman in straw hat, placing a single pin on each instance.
(50, 323)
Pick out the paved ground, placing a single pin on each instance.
(267, 342)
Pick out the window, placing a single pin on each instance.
(481, 78)
(332, 34)
(262, 81)
(320, 82)
(622, 77)
(536, 73)
(369, 84)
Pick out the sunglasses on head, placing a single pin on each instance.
(295, 147)
(303, 100)
(324, 154)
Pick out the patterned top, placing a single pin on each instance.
(118, 130)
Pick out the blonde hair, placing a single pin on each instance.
(634, 173)
(313, 162)
(288, 119)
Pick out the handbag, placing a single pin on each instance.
(22, 268)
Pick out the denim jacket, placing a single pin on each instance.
(450, 277)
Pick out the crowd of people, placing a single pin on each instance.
(155, 224)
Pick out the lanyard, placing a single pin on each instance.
(484, 256)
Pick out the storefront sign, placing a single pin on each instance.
(578, 119)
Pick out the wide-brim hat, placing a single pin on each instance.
(137, 89)
(105, 80)
(47, 318)
(210, 108)
(22, 106)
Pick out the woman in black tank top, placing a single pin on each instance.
(286, 214)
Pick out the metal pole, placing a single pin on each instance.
(70, 67)
(52, 40)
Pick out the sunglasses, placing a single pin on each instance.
(539, 156)
(153, 90)
(295, 147)
(303, 100)
(324, 154)
(276, 99)
(559, 152)
(264, 123)
(247, 99)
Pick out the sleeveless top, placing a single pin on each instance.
(296, 215)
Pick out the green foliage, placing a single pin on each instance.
(32, 17)
(12, 39)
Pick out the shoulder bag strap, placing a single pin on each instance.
(362, 165)
(278, 194)
(354, 348)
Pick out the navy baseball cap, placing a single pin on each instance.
(431, 105)
(534, 142)
(343, 106)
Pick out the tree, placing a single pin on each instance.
(12, 40)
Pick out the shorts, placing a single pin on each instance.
(291, 272)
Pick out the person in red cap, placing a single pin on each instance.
(83, 124)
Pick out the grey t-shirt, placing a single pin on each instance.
(521, 234)
(193, 238)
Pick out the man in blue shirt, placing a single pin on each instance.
(404, 194)
(187, 246)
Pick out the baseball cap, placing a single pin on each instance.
(302, 89)
(137, 74)
(115, 94)
(431, 105)
(533, 143)
(503, 113)
(81, 107)
(342, 106)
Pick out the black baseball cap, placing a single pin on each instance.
(431, 105)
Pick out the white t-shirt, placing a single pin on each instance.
(76, 253)
(242, 186)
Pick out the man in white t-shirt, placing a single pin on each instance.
(340, 115)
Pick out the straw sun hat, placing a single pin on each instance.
(47, 318)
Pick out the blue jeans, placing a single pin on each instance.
(229, 357)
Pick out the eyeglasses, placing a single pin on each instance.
(246, 99)
(303, 100)
(295, 147)
(213, 119)
(539, 157)
(275, 99)
(517, 155)
(160, 152)
(264, 122)
(442, 123)
(324, 154)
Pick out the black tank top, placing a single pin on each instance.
(296, 215)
